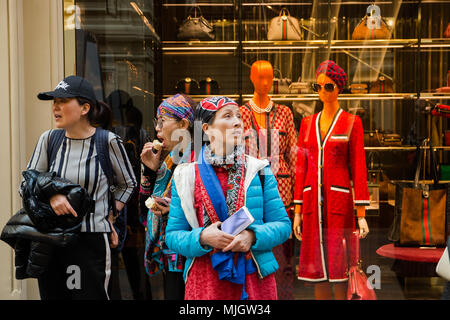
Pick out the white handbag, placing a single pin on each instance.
(300, 87)
(443, 266)
(284, 27)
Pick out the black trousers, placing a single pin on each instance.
(173, 285)
(79, 272)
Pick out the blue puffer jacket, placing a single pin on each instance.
(272, 226)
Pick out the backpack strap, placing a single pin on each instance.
(55, 140)
(102, 146)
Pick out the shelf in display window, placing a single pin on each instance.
(231, 46)
(343, 97)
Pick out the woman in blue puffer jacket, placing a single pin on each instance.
(221, 266)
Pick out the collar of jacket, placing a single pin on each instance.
(184, 177)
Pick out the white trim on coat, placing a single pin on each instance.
(340, 189)
(321, 149)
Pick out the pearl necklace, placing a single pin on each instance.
(257, 109)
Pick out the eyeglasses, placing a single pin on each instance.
(159, 122)
(327, 86)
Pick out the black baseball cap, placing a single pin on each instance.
(70, 87)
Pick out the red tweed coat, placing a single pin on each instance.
(282, 145)
(323, 187)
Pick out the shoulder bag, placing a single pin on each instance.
(280, 85)
(372, 26)
(196, 28)
(284, 27)
(358, 286)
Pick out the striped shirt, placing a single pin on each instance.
(76, 160)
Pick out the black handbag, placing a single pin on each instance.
(188, 86)
(196, 28)
(209, 86)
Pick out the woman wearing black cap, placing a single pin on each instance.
(83, 270)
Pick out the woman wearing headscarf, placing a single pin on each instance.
(330, 151)
(174, 124)
(221, 266)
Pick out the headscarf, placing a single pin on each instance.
(177, 107)
(334, 72)
(209, 106)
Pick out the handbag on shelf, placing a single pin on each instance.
(444, 172)
(382, 85)
(391, 140)
(284, 27)
(209, 86)
(372, 26)
(359, 88)
(443, 266)
(304, 108)
(196, 28)
(358, 286)
(188, 86)
(420, 213)
(280, 85)
(447, 138)
(447, 31)
(372, 139)
(300, 87)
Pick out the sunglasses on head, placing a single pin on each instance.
(327, 86)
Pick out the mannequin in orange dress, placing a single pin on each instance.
(323, 290)
(278, 145)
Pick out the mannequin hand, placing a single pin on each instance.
(297, 226)
(214, 237)
(150, 159)
(363, 227)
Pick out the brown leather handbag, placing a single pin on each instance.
(423, 211)
(382, 85)
(359, 88)
(372, 26)
(362, 32)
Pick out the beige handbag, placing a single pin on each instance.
(284, 27)
(300, 87)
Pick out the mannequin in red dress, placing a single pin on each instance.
(276, 140)
(323, 290)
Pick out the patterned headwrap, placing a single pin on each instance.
(176, 107)
(209, 106)
(334, 72)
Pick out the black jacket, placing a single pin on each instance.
(35, 230)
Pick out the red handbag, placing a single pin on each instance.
(447, 31)
(358, 286)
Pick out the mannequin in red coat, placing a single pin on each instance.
(343, 132)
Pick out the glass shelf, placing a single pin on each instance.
(191, 46)
(314, 97)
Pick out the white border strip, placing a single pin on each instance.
(107, 263)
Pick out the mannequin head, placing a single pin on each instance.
(261, 75)
(324, 95)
